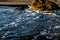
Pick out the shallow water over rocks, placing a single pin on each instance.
(17, 23)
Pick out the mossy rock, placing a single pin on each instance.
(43, 5)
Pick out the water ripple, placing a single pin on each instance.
(17, 23)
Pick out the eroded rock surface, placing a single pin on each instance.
(43, 5)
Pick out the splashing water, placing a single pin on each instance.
(16, 23)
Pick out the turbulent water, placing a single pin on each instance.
(15, 24)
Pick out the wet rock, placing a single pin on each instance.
(22, 7)
(43, 5)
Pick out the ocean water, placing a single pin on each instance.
(15, 24)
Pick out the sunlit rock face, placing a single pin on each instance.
(15, 24)
(43, 5)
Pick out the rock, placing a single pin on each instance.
(43, 5)
(21, 7)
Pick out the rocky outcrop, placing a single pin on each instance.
(43, 5)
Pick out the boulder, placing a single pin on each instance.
(43, 5)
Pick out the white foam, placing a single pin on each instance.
(57, 26)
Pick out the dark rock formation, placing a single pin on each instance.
(21, 7)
